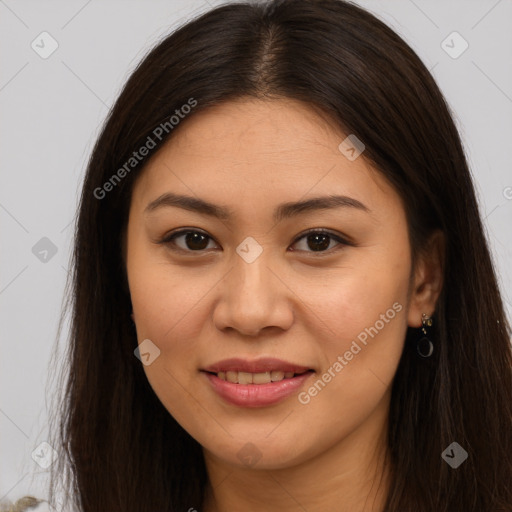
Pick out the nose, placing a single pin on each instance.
(253, 298)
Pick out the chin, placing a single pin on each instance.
(261, 452)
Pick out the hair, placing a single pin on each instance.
(121, 449)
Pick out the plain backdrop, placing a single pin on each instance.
(51, 112)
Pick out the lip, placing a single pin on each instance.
(266, 364)
(256, 395)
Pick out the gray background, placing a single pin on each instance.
(51, 111)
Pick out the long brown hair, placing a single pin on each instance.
(122, 450)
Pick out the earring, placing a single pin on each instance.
(133, 320)
(424, 345)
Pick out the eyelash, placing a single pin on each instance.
(169, 240)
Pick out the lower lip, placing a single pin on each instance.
(256, 395)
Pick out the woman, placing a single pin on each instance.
(283, 298)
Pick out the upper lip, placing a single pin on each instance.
(266, 364)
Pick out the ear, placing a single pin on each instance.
(427, 281)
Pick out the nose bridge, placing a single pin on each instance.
(253, 297)
(252, 262)
(251, 283)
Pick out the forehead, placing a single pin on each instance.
(258, 152)
(279, 131)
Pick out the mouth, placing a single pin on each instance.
(256, 383)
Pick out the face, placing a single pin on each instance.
(279, 327)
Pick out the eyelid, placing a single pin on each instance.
(338, 237)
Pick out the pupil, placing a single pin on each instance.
(193, 241)
(322, 241)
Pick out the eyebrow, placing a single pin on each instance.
(283, 211)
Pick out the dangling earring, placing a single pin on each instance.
(133, 320)
(424, 345)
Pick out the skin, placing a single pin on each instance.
(292, 302)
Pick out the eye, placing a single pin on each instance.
(191, 240)
(196, 241)
(320, 240)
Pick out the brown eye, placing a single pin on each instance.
(315, 241)
(190, 241)
(320, 241)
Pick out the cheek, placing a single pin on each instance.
(168, 311)
(164, 296)
(367, 295)
(169, 306)
(363, 323)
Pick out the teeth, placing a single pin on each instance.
(254, 378)
(261, 378)
(244, 378)
(276, 375)
(232, 377)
